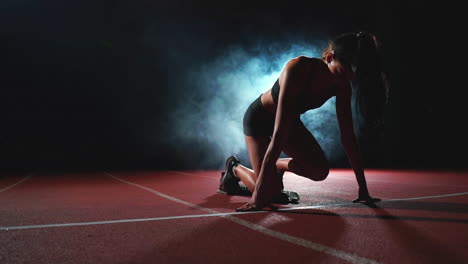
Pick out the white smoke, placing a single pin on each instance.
(222, 89)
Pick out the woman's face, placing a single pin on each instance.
(341, 70)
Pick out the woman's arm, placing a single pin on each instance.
(349, 141)
(292, 79)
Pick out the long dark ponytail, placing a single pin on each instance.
(362, 52)
(372, 85)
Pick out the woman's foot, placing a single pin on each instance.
(229, 182)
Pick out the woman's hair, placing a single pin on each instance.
(361, 52)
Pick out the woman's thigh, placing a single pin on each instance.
(308, 158)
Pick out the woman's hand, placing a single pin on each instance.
(364, 197)
(268, 185)
(251, 206)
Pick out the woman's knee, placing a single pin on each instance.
(313, 170)
(321, 174)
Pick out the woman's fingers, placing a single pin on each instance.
(250, 206)
(367, 199)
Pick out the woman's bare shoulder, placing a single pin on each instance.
(302, 62)
(301, 59)
(296, 72)
(298, 64)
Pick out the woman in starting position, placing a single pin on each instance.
(272, 122)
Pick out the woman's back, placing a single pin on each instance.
(317, 89)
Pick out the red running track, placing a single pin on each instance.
(178, 217)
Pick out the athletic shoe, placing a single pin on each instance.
(229, 183)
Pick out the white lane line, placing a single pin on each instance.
(160, 218)
(353, 258)
(426, 197)
(152, 218)
(13, 185)
(6, 228)
(163, 195)
(372, 180)
(216, 214)
(383, 201)
(210, 212)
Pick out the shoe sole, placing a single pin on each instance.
(228, 161)
(223, 177)
(225, 173)
(222, 192)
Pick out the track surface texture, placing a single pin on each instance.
(178, 217)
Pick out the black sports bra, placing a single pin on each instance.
(304, 102)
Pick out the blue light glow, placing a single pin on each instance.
(223, 89)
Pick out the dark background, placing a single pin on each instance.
(82, 79)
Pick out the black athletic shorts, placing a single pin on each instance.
(257, 120)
